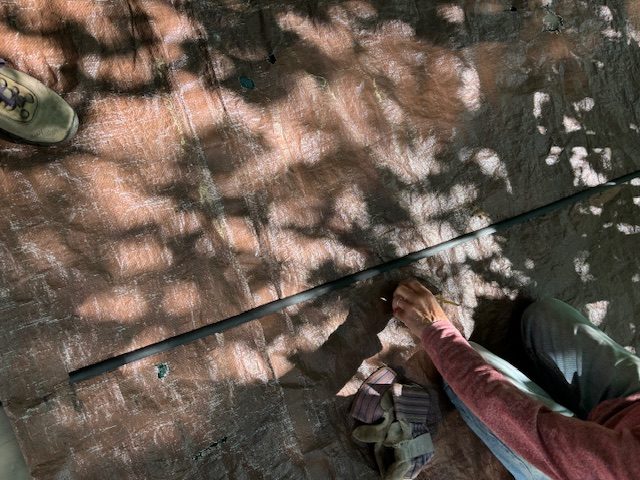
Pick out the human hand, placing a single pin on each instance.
(415, 306)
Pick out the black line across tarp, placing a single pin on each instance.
(112, 363)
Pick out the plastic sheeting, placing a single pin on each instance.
(231, 153)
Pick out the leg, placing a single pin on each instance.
(517, 466)
(578, 364)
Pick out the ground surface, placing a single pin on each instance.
(209, 177)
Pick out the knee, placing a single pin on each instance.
(549, 316)
(540, 309)
(538, 315)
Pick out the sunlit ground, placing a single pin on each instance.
(187, 197)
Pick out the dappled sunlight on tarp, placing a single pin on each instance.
(230, 154)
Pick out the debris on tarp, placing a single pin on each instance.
(162, 369)
(247, 83)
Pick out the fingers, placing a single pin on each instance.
(411, 288)
(406, 313)
(417, 285)
(394, 303)
(403, 306)
(399, 306)
(403, 291)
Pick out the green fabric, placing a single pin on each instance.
(410, 449)
(395, 434)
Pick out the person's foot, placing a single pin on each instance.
(32, 112)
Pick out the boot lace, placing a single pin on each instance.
(15, 99)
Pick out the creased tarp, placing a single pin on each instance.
(260, 402)
(381, 128)
(271, 399)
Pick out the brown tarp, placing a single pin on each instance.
(232, 153)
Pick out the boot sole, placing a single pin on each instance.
(17, 139)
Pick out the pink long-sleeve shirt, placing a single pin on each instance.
(606, 446)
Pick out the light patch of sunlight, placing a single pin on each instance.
(140, 255)
(251, 364)
(351, 208)
(181, 223)
(571, 124)
(120, 304)
(504, 267)
(451, 13)
(611, 34)
(584, 105)
(635, 182)
(554, 155)
(90, 63)
(491, 165)
(539, 99)
(394, 334)
(636, 278)
(597, 311)
(469, 91)
(459, 195)
(333, 41)
(361, 9)
(412, 164)
(180, 298)
(352, 385)
(604, 12)
(529, 264)
(628, 229)
(582, 267)
(632, 33)
(391, 107)
(279, 350)
(479, 219)
(316, 333)
(488, 248)
(605, 156)
(364, 371)
(595, 210)
(584, 174)
(636, 201)
(634, 127)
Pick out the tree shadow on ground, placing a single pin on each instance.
(356, 146)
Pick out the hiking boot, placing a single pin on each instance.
(32, 112)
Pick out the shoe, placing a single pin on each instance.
(32, 112)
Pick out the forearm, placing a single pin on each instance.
(560, 446)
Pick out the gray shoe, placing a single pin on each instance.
(32, 112)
